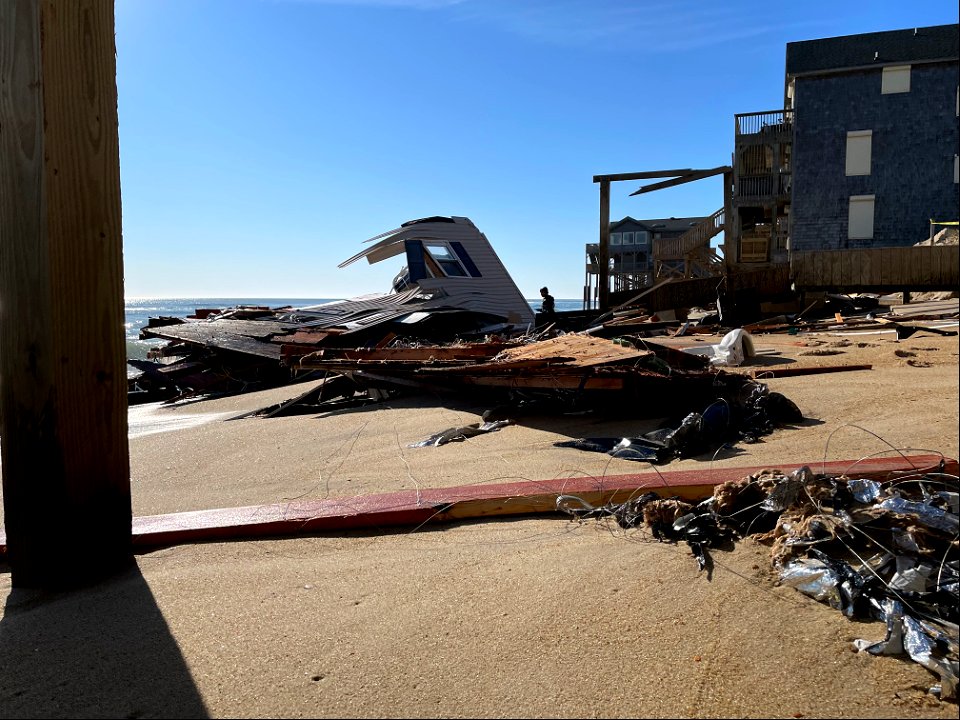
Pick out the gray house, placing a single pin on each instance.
(875, 137)
(633, 263)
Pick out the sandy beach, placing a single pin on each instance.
(531, 617)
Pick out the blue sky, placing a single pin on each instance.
(261, 141)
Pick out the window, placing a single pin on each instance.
(628, 238)
(896, 79)
(642, 238)
(447, 261)
(860, 225)
(614, 238)
(858, 152)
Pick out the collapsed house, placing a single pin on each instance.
(453, 286)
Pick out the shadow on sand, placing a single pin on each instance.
(101, 651)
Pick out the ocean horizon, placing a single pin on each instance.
(139, 310)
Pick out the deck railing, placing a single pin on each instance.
(766, 185)
(768, 121)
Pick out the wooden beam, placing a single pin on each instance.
(689, 177)
(646, 175)
(729, 233)
(765, 373)
(63, 424)
(414, 508)
(603, 272)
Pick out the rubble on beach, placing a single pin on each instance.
(872, 550)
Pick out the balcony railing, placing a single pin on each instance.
(769, 122)
(764, 186)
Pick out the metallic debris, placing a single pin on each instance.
(873, 550)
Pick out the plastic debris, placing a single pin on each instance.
(743, 413)
(461, 433)
(873, 550)
(735, 348)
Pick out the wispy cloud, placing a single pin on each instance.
(647, 26)
(411, 4)
(651, 26)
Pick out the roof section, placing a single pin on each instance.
(894, 47)
(673, 224)
(489, 289)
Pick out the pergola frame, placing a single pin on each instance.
(679, 177)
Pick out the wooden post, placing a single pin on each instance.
(730, 243)
(63, 425)
(603, 274)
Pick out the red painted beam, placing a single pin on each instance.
(412, 508)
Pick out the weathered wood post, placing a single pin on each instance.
(730, 244)
(603, 274)
(63, 425)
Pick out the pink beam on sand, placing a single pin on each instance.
(413, 508)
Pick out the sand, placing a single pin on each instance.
(540, 617)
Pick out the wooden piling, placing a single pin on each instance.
(603, 272)
(63, 425)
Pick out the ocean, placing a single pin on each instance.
(139, 310)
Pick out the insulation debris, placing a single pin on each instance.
(884, 551)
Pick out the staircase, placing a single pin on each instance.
(690, 255)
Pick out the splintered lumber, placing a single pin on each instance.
(423, 354)
(574, 350)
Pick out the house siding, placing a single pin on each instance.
(914, 140)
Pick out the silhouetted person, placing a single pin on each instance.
(547, 308)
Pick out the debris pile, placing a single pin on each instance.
(829, 312)
(453, 287)
(575, 372)
(744, 410)
(873, 550)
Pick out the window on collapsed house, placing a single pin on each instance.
(447, 261)
(896, 79)
(860, 221)
(859, 146)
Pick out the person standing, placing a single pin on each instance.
(548, 307)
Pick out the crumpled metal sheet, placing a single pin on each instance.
(912, 576)
(925, 643)
(926, 514)
(785, 492)
(813, 578)
(870, 550)
(864, 491)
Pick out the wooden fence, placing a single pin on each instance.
(878, 269)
